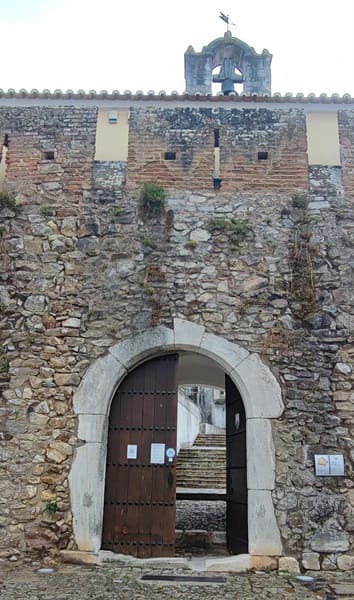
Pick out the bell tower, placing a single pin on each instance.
(237, 62)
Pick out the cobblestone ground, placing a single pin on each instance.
(210, 516)
(71, 582)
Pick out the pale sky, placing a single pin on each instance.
(140, 44)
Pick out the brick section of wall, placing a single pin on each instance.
(346, 140)
(243, 133)
(69, 131)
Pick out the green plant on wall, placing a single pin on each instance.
(236, 230)
(52, 507)
(8, 200)
(47, 211)
(191, 244)
(117, 211)
(4, 364)
(218, 224)
(153, 198)
(300, 200)
(148, 242)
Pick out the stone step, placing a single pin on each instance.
(193, 456)
(203, 465)
(194, 475)
(210, 439)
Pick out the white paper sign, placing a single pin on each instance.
(336, 464)
(329, 465)
(132, 451)
(157, 454)
(322, 464)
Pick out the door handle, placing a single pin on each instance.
(170, 479)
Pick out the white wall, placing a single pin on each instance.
(218, 415)
(112, 138)
(188, 420)
(323, 139)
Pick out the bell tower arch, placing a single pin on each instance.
(238, 63)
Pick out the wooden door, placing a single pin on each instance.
(140, 495)
(236, 493)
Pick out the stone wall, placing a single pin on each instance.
(346, 136)
(81, 270)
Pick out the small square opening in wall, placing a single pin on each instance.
(170, 155)
(263, 155)
(49, 155)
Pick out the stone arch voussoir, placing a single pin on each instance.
(261, 396)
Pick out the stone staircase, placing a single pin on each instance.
(203, 465)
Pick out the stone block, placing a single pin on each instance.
(71, 322)
(235, 564)
(187, 335)
(345, 563)
(55, 455)
(200, 235)
(79, 558)
(330, 541)
(93, 428)
(98, 385)
(260, 455)
(226, 354)
(289, 564)
(264, 563)
(311, 561)
(264, 536)
(36, 304)
(343, 589)
(329, 563)
(144, 345)
(67, 379)
(61, 447)
(319, 205)
(37, 420)
(69, 226)
(343, 368)
(86, 481)
(252, 283)
(258, 387)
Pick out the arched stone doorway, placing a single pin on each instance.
(262, 400)
(146, 474)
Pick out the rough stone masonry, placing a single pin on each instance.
(83, 267)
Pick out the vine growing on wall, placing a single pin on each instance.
(155, 230)
(153, 278)
(303, 283)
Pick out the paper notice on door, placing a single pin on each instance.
(157, 454)
(132, 451)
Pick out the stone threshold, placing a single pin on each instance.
(225, 564)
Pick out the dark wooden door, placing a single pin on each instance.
(140, 495)
(236, 493)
